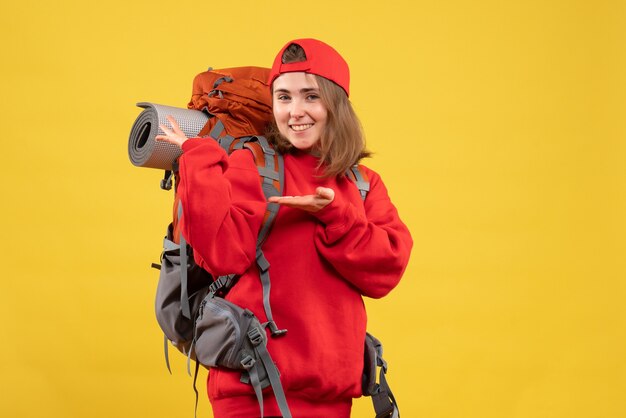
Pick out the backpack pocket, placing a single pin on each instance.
(176, 327)
(226, 334)
(229, 336)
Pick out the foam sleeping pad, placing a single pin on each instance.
(144, 150)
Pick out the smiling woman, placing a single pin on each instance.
(328, 247)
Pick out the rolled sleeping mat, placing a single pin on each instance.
(144, 150)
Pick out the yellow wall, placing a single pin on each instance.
(498, 127)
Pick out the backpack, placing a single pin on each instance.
(189, 304)
(238, 97)
(233, 107)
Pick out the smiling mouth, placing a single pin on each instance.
(301, 127)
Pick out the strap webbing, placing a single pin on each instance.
(253, 373)
(359, 179)
(225, 141)
(264, 274)
(384, 402)
(167, 352)
(387, 401)
(217, 130)
(184, 294)
(272, 372)
(195, 379)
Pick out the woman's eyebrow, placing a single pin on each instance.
(304, 90)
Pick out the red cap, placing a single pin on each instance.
(321, 59)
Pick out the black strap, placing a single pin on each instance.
(166, 181)
(384, 402)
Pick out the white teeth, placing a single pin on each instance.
(301, 127)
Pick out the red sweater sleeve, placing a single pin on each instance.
(223, 205)
(369, 248)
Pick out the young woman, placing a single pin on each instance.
(327, 249)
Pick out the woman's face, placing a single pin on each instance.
(298, 109)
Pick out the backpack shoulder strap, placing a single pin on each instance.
(271, 170)
(357, 174)
(269, 164)
(272, 174)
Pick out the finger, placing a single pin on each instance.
(165, 129)
(325, 193)
(279, 199)
(164, 138)
(175, 126)
(170, 130)
(290, 200)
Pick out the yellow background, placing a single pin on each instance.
(498, 127)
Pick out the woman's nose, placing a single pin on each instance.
(297, 110)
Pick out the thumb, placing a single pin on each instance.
(325, 193)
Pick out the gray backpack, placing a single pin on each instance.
(189, 305)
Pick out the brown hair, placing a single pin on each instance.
(342, 143)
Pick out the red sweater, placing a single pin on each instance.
(321, 265)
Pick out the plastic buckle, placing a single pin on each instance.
(221, 283)
(166, 181)
(261, 261)
(248, 362)
(216, 285)
(255, 336)
(274, 329)
(215, 92)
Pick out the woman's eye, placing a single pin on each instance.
(312, 97)
(282, 97)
